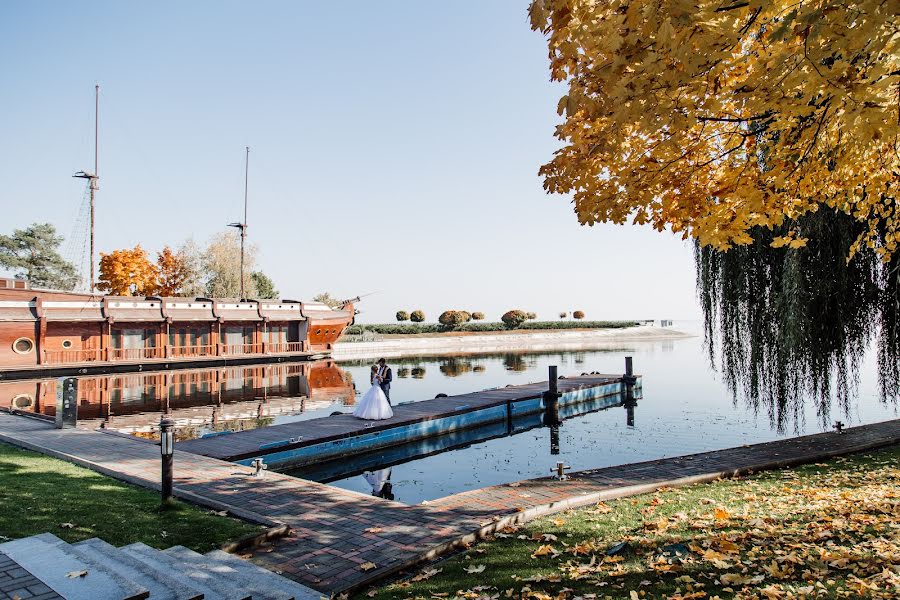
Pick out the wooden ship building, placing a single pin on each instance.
(43, 328)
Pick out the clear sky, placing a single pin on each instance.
(394, 148)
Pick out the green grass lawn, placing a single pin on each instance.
(39, 494)
(820, 531)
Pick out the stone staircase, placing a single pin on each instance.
(96, 570)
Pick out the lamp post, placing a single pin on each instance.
(167, 452)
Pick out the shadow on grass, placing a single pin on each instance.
(40, 494)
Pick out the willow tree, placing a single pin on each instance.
(755, 127)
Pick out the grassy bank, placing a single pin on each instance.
(821, 531)
(39, 494)
(480, 327)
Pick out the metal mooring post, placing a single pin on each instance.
(167, 453)
(629, 379)
(551, 400)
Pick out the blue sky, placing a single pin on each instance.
(394, 147)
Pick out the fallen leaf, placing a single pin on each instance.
(67, 525)
(373, 530)
(74, 574)
(367, 566)
(475, 569)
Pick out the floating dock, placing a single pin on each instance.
(306, 442)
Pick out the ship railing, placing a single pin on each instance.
(200, 350)
(284, 347)
(58, 357)
(135, 353)
(233, 349)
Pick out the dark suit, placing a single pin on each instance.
(386, 383)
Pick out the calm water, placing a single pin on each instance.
(684, 409)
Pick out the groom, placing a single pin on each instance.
(385, 377)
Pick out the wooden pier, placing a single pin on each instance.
(326, 438)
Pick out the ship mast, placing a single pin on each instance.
(93, 178)
(243, 225)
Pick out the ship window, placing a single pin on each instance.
(22, 401)
(67, 344)
(318, 331)
(23, 345)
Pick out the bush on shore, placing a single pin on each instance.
(578, 314)
(402, 315)
(514, 318)
(478, 316)
(417, 316)
(420, 328)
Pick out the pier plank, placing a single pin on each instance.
(245, 444)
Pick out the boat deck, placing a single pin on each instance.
(330, 437)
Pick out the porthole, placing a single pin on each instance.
(318, 332)
(22, 401)
(67, 344)
(23, 345)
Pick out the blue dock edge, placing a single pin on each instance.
(401, 434)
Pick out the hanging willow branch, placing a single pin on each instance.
(792, 324)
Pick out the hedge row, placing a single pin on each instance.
(408, 329)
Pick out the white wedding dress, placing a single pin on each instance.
(374, 405)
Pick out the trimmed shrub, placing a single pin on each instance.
(417, 316)
(451, 319)
(478, 316)
(531, 316)
(563, 315)
(514, 318)
(578, 314)
(402, 315)
(465, 316)
(414, 328)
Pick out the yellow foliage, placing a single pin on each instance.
(128, 272)
(715, 116)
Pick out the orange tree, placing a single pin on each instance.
(714, 117)
(128, 272)
(173, 272)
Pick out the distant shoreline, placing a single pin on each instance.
(393, 346)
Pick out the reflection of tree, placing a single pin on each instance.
(403, 372)
(418, 372)
(478, 368)
(515, 362)
(454, 366)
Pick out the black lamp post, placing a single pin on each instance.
(167, 451)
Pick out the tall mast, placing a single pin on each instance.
(243, 225)
(93, 178)
(244, 228)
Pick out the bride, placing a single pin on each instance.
(374, 404)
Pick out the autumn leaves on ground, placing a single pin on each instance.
(821, 531)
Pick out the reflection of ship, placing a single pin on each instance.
(48, 329)
(231, 398)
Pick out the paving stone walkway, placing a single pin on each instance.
(336, 532)
(18, 584)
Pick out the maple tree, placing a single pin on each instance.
(717, 116)
(173, 272)
(128, 272)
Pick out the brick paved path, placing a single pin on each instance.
(17, 583)
(336, 531)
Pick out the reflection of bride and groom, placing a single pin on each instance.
(375, 404)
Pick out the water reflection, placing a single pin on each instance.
(201, 401)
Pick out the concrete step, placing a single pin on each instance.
(163, 585)
(267, 579)
(51, 560)
(257, 585)
(215, 585)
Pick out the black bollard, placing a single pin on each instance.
(551, 400)
(167, 454)
(629, 380)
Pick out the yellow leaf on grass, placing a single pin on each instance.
(722, 514)
(543, 550)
